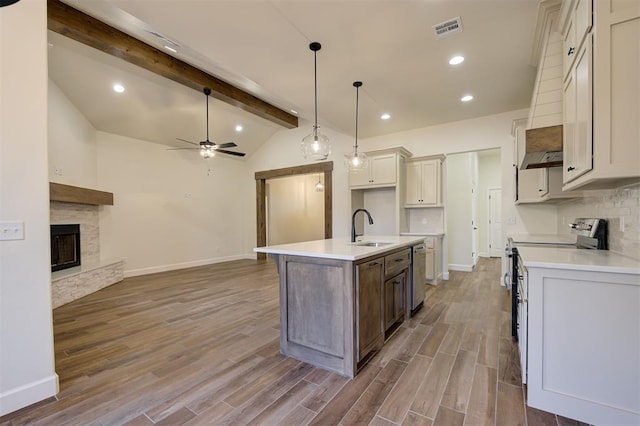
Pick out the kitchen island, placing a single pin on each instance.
(339, 300)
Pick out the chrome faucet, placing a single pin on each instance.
(353, 223)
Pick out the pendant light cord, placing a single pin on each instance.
(315, 88)
(357, 101)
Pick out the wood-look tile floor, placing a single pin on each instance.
(200, 346)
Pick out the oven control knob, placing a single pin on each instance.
(573, 225)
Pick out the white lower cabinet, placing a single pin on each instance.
(584, 345)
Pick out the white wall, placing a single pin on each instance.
(72, 148)
(488, 177)
(295, 209)
(26, 328)
(172, 209)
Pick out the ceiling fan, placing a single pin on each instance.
(207, 148)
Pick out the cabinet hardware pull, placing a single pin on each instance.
(571, 51)
(396, 282)
(399, 260)
(570, 168)
(373, 264)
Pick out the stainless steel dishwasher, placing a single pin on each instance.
(418, 276)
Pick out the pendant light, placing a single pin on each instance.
(356, 161)
(319, 185)
(315, 146)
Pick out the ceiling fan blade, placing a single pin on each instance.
(237, 154)
(226, 145)
(192, 143)
(190, 149)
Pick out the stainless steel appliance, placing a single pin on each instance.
(591, 233)
(418, 276)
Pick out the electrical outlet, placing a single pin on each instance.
(511, 220)
(13, 230)
(58, 171)
(187, 195)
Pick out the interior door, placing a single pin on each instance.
(495, 222)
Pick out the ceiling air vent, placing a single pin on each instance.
(449, 27)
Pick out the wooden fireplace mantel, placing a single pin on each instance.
(76, 194)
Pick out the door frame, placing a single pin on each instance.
(261, 177)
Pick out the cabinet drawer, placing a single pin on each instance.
(396, 262)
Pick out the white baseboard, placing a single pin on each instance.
(174, 266)
(483, 254)
(462, 268)
(445, 275)
(28, 394)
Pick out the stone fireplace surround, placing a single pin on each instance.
(94, 273)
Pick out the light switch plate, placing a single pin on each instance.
(11, 230)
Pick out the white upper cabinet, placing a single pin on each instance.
(577, 26)
(424, 182)
(577, 137)
(601, 93)
(381, 171)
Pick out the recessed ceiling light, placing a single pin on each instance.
(170, 49)
(118, 88)
(238, 128)
(466, 98)
(456, 60)
(385, 116)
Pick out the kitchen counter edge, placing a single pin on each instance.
(341, 248)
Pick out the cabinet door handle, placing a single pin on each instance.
(396, 282)
(539, 190)
(570, 168)
(571, 51)
(399, 260)
(373, 264)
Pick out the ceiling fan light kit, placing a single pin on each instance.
(356, 161)
(315, 146)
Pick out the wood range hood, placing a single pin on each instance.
(543, 148)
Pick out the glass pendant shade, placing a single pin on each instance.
(356, 161)
(315, 146)
(319, 185)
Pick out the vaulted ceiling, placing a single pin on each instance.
(262, 47)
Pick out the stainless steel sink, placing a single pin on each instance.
(372, 243)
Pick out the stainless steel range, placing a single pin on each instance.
(591, 233)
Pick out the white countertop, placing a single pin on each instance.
(542, 238)
(423, 234)
(579, 259)
(341, 248)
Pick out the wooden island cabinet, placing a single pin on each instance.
(340, 300)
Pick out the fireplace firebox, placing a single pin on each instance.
(65, 246)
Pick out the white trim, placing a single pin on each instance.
(28, 394)
(484, 254)
(172, 267)
(445, 276)
(462, 268)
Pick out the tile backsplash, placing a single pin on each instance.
(427, 220)
(621, 208)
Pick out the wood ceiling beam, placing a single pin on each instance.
(69, 22)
